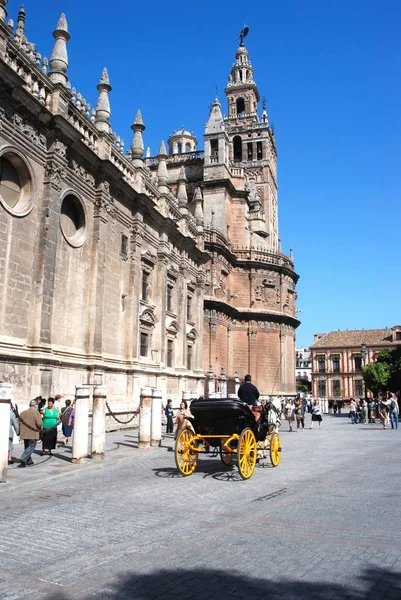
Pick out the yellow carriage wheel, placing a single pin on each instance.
(246, 453)
(225, 455)
(186, 458)
(275, 449)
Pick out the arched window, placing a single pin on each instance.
(72, 220)
(240, 106)
(237, 142)
(179, 148)
(15, 185)
(187, 147)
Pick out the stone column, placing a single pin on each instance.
(237, 384)
(96, 278)
(223, 384)
(81, 425)
(5, 403)
(145, 417)
(210, 382)
(156, 418)
(133, 301)
(99, 422)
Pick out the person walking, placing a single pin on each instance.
(13, 427)
(169, 412)
(364, 410)
(67, 420)
(384, 411)
(394, 411)
(50, 420)
(30, 426)
(289, 413)
(316, 414)
(372, 410)
(352, 411)
(247, 392)
(299, 414)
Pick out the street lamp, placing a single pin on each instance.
(363, 357)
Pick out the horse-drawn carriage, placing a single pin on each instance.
(231, 428)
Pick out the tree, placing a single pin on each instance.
(303, 387)
(392, 358)
(376, 377)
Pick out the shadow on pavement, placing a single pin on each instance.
(203, 584)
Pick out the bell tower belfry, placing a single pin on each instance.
(242, 92)
(252, 146)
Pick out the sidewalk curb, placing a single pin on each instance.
(11, 487)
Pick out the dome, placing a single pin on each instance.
(182, 133)
(182, 141)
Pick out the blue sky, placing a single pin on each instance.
(331, 74)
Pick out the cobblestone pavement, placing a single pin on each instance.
(323, 524)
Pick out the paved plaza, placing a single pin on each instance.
(323, 524)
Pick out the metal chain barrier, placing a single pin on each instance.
(117, 419)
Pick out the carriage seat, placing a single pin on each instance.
(221, 415)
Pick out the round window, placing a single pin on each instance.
(15, 185)
(72, 220)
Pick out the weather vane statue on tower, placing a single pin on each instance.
(242, 35)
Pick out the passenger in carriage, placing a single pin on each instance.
(182, 417)
(249, 393)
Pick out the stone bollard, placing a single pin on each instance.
(81, 425)
(145, 417)
(223, 383)
(156, 418)
(99, 422)
(237, 384)
(6, 392)
(211, 386)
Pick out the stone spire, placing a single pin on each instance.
(20, 29)
(162, 174)
(102, 111)
(215, 123)
(59, 57)
(182, 192)
(199, 209)
(137, 147)
(3, 11)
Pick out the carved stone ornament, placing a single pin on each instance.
(59, 148)
(81, 172)
(54, 174)
(33, 134)
(149, 258)
(104, 208)
(147, 319)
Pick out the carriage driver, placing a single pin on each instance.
(249, 393)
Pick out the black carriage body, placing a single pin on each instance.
(221, 417)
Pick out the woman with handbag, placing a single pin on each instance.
(49, 433)
(67, 420)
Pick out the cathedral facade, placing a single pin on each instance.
(128, 270)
